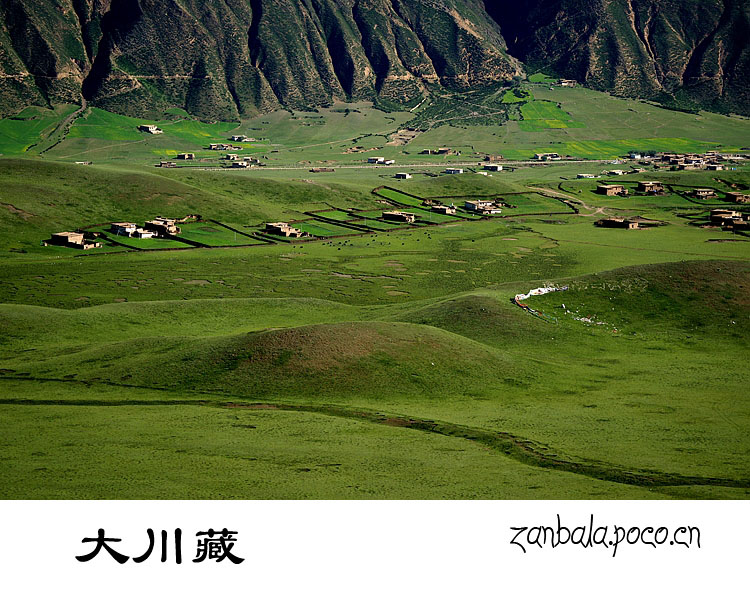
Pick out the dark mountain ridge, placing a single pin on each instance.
(223, 59)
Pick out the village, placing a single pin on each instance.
(158, 227)
(728, 219)
(168, 228)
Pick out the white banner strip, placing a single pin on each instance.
(396, 549)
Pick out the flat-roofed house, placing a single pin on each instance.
(704, 193)
(586, 176)
(403, 176)
(493, 167)
(167, 164)
(723, 216)
(454, 171)
(650, 187)
(185, 156)
(283, 229)
(152, 129)
(72, 239)
(376, 160)
(444, 210)
(483, 207)
(398, 216)
(612, 189)
(738, 197)
(126, 229)
(162, 226)
(144, 234)
(617, 222)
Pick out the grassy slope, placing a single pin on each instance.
(588, 125)
(241, 325)
(29, 127)
(492, 372)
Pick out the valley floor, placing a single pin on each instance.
(371, 360)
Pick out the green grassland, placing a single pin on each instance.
(20, 133)
(516, 123)
(543, 114)
(382, 364)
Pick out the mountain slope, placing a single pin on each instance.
(231, 58)
(226, 59)
(689, 51)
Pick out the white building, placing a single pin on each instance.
(454, 171)
(484, 207)
(126, 229)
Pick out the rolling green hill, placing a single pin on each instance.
(301, 398)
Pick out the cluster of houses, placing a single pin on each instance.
(158, 227)
(651, 188)
(242, 163)
(657, 188)
(152, 129)
(730, 219)
(710, 161)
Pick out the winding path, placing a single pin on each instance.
(512, 446)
